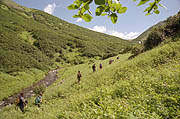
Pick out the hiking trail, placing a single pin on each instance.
(29, 91)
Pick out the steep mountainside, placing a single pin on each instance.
(159, 34)
(145, 34)
(34, 39)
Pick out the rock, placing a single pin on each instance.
(2, 102)
(31, 91)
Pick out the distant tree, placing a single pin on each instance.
(110, 8)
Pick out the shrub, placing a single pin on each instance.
(173, 25)
(154, 39)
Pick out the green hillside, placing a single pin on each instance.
(144, 87)
(145, 34)
(34, 39)
(33, 42)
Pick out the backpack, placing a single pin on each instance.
(37, 100)
(17, 101)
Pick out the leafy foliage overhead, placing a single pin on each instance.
(110, 8)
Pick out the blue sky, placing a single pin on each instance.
(129, 25)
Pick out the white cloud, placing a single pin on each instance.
(50, 8)
(101, 29)
(79, 20)
(127, 36)
(131, 35)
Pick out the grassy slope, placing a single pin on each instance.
(68, 75)
(144, 87)
(29, 33)
(32, 42)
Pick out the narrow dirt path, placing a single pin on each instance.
(29, 91)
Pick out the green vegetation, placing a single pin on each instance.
(110, 8)
(32, 39)
(145, 34)
(15, 82)
(27, 36)
(167, 32)
(162, 33)
(144, 87)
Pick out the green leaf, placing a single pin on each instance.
(155, 7)
(86, 6)
(112, 8)
(142, 2)
(107, 8)
(103, 14)
(72, 7)
(148, 14)
(162, 6)
(109, 2)
(99, 10)
(147, 9)
(100, 2)
(114, 18)
(157, 11)
(87, 17)
(82, 10)
(118, 6)
(122, 10)
(76, 16)
(78, 3)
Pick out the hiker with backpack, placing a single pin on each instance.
(94, 67)
(21, 102)
(79, 75)
(38, 100)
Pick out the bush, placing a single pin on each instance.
(173, 25)
(154, 39)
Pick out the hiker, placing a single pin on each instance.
(94, 67)
(100, 66)
(38, 100)
(110, 61)
(21, 102)
(79, 76)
